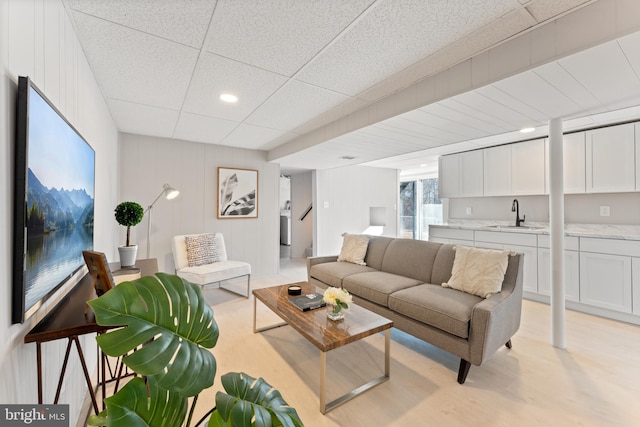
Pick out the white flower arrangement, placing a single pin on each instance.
(338, 298)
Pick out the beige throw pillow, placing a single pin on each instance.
(354, 248)
(478, 271)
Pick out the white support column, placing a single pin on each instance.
(556, 233)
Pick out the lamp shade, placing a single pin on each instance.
(170, 192)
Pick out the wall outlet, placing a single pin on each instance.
(469, 210)
(326, 205)
(605, 211)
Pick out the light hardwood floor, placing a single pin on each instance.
(594, 382)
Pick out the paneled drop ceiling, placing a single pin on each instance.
(298, 65)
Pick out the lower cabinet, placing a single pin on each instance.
(605, 281)
(571, 274)
(601, 275)
(635, 274)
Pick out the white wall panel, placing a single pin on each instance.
(149, 162)
(33, 43)
(342, 201)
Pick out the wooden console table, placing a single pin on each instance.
(68, 320)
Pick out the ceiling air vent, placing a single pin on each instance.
(347, 158)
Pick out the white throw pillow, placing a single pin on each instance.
(478, 271)
(201, 249)
(354, 248)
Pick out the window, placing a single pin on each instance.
(420, 206)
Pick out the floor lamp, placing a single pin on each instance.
(170, 193)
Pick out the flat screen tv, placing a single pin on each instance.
(53, 201)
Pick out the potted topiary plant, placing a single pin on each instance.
(128, 214)
(171, 328)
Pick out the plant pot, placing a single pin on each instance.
(128, 255)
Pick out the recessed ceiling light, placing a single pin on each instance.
(227, 97)
(527, 130)
(423, 165)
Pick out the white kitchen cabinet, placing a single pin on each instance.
(635, 274)
(573, 161)
(637, 132)
(451, 235)
(610, 159)
(497, 171)
(528, 168)
(461, 175)
(571, 267)
(571, 274)
(449, 176)
(605, 281)
(472, 173)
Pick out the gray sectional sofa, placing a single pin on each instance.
(402, 282)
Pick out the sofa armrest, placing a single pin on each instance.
(311, 261)
(495, 320)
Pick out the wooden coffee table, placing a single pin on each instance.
(325, 334)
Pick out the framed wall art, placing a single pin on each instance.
(237, 193)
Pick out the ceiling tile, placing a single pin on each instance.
(183, 21)
(284, 35)
(251, 136)
(294, 104)
(390, 38)
(143, 119)
(211, 130)
(132, 66)
(215, 75)
(545, 9)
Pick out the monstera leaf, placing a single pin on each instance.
(133, 406)
(251, 402)
(169, 319)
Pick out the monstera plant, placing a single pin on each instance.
(171, 328)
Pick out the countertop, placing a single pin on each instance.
(604, 231)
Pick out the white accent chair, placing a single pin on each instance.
(216, 272)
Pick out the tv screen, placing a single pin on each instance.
(54, 200)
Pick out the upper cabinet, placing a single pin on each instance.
(610, 159)
(497, 171)
(528, 168)
(573, 161)
(449, 176)
(471, 173)
(604, 160)
(461, 174)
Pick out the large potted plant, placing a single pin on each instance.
(171, 328)
(128, 214)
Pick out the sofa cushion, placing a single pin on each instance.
(332, 273)
(410, 258)
(376, 249)
(443, 264)
(354, 248)
(376, 286)
(443, 308)
(478, 271)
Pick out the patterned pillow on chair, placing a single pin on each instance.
(201, 249)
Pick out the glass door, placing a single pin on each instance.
(420, 206)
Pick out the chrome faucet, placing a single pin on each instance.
(515, 207)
